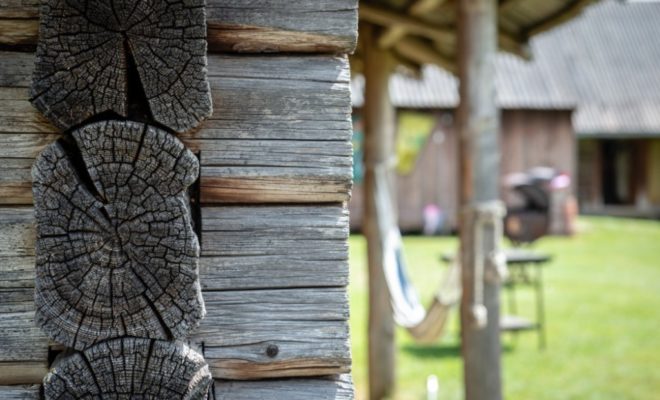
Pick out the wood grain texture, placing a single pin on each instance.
(88, 50)
(27, 392)
(280, 131)
(129, 368)
(276, 333)
(296, 246)
(116, 254)
(261, 247)
(272, 276)
(311, 26)
(331, 388)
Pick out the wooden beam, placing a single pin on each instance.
(478, 123)
(562, 15)
(510, 44)
(379, 123)
(421, 7)
(420, 52)
(392, 35)
(383, 17)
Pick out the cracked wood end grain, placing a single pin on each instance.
(130, 368)
(116, 254)
(97, 56)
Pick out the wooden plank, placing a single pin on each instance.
(314, 26)
(280, 131)
(23, 347)
(331, 388)
(274, 247)
(19, 392)
(242, 247)
(260, 334)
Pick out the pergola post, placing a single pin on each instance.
(379, 128)
(480, 229)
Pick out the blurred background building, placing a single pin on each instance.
(585, 104)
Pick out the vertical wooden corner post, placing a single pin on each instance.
(379, 123)
(480, 228)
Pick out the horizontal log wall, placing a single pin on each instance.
(280, 130)
(314, 26)
(296, 325)
(330, 388)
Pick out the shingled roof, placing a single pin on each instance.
(605, 63)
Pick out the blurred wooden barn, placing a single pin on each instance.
(535, 130)
(272, 222)
(591, 114)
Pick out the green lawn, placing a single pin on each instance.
(603, 317)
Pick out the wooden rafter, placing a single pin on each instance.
(422, 53)
(562, 15)
(383, 17)
(400, 26)
(393, 34)
(420, 7)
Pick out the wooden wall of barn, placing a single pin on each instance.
(529, 138)
(276, 171)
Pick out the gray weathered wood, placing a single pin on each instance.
(331, 388)
(276, 333)
(23, 346)
(130, 368)
(298, 253)
(116, 251)
(235, 25)
(305, 259)
(19, 392)
(88, 50)
(274, 247)
(280, 131)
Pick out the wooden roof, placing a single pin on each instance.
(424, 31)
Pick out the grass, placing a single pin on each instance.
(602, 310)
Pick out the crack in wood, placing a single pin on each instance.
(149, 369)
(116, 251)
(145, 61)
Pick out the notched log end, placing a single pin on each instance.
(116, 253)
(122, 56)
(148, 369)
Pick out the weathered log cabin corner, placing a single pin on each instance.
(275, 173)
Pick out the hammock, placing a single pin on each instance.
(425, 326)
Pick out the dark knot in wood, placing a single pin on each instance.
(130, 368)
(94, 55)
(272, 350)
(116, 251)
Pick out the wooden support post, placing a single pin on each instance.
(379, 122)
(478, 122)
